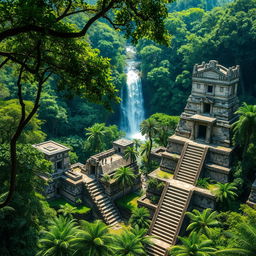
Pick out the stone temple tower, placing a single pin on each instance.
(210, 107)
(201, 147)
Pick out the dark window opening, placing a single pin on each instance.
(119, 149)
(59, 165)
(210, 88)
(207, 108)
(202, 131)
(93, 168)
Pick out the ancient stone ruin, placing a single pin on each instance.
(83, 182)
(200, 147)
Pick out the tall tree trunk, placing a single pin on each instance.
(22, 124)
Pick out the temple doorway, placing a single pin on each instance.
(202, 132)
(93, 169)
(59, 165)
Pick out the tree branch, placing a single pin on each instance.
(11, 57)
(22, 124)
(4, 62)
(47, 31)
(65, 12)
(74, 12)
(114, 25)
(13, 143)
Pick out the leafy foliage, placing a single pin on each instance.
(10, 113)
(140, 216)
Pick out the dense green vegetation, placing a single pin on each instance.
(76, 73)
(227, 233)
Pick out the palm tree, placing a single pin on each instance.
(193, 246)
(61, 238)
(137, 143)
(131, 153)
(125, 177)
(163, 134)
(145, 149)
(201, 222)
(225, 193)
(140, 217)
(141, 233)
(245, 241)
(67, 210)
(128, 244)
(95, 135)
(149, 128)
(244, 128)
(95, 240)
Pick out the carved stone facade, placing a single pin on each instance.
(210, 107)
(207, 119)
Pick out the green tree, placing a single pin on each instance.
(95, 135)
(166, 127)
(225, 193)
(137, 143)
(245, 241)
(140, 216)
(244, 127)
(193, 245)
(202, 222)
(149, 128)
(43, 42)
(67, 210)
(31, 210)
(131, 154)
(95, 240)
(60, 238)
(128, 244)
(10, 112)
(125, 177)
(100, 137)
(145, 149)
(54, 115)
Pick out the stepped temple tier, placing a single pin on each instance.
(201, 147)
(84, 183)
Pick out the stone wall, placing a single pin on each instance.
(219, 157)
(202, 199)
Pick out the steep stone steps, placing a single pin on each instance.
(169, 216)
(155, 250)
(190, 164)
(107, 209)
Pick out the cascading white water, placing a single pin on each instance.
(132, 106)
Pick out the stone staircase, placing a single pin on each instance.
(190, 164)
(106, 207)
(170, 213)
(155, 249)
(175, 199)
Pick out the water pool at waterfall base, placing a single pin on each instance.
(137, 135)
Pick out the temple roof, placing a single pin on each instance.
(51, 147)
(202, 118)
(213, 67)
(123, 142)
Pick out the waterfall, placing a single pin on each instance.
(132, 105)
